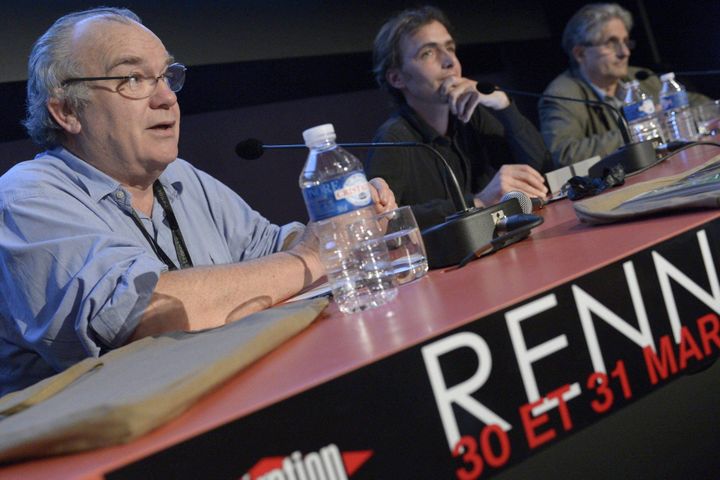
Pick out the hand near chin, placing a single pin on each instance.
(463, 97)
(510, 178)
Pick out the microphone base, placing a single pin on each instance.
(448, 243)
(633, 157)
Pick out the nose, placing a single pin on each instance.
(163, 96)
(624, 50)
(447, 59)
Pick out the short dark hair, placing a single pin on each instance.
(386, 49)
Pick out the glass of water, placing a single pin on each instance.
(404, 243)
(707, 117)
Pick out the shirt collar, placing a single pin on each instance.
(99, 184)
(428, 133)
(96, 183)
(616, 100)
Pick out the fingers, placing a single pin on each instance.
(468, 107)
(382, 195)
(521, 178)
(463, 97)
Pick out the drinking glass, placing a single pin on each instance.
(707, 117)
(404, 243)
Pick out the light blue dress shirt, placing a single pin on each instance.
(77, 273)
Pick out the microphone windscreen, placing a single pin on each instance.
(642, 75)
(526, 204)
(249, 149)
(486, 88)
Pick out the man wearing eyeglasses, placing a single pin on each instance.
(596, 40)
(107, 236)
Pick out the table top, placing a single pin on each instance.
(558, 251)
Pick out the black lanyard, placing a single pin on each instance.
(180, 248)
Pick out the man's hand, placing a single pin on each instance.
(463, 97)
(383, 198)
(521, 178)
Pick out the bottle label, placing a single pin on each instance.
(674, 100)
(639, 110)
(337, 196)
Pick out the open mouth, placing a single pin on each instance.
(163, 126)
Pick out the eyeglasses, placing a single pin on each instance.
(613, 44)
(140, 86)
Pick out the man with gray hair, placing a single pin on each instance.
(107, 236)
(598, 44)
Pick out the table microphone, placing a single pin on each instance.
(509, 228)
(645, 74)
(252, 149)
(633, 156)
(446, 243)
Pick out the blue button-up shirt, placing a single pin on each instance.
(76, 271)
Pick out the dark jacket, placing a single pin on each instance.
(475, 151)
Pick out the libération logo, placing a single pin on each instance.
(327, 464)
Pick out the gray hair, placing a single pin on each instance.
(51, 62)
(585, 27)
(386, 49)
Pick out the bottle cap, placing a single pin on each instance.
(633, 83)
(667, 76)
(319, 134)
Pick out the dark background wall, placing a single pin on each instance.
(272, 68)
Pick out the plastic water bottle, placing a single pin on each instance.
(639, 111)
(352, 246)
(679, 121)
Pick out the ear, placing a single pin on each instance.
(64, 116)
(578, 53)
(395, 78)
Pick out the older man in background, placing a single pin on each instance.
(598, 44)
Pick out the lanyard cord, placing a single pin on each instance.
(180, 248)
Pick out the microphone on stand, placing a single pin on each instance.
(487, 88)
(446, 243)
(645, 74)
(633, 156)
(252, 149)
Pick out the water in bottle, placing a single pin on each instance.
(679, 121)
(639, 111)
(352, 247)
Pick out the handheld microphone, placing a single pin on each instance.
(511, 229)
(514, 222)
(527, 204)
(633, 156)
